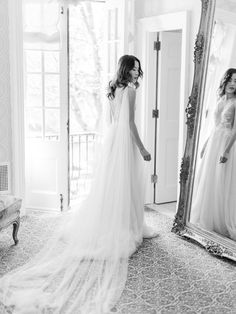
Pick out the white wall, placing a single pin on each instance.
(147, 8)
(143, 8)
(5, 104)
(153, 8)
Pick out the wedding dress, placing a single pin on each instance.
(83, 268)
(214, 192)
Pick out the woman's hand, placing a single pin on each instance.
(224, 157)
(146, 155)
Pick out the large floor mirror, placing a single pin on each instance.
(207, 202)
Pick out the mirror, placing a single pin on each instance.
(214, 199)
(207, 202)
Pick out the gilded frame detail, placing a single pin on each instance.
(213, 243)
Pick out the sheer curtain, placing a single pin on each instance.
(41, 24)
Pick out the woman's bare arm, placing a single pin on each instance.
(224, 156)
(132, 95)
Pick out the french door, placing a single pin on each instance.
(46, 104)
(167, 134)
(162, 113)
(47, 82)
(93, 63)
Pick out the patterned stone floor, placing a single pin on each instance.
(166, 275)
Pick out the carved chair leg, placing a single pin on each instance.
(16, 225)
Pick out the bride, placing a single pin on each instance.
(83, 268)
(214, 198)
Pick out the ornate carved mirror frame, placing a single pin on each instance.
(213, 242)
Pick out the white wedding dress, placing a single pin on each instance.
(83, 268)
(214, 192)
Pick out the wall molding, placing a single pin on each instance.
(5, 110)
(17, 98)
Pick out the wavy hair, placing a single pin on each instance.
(224, 81)
(123, 78)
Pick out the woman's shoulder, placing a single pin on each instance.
(131, 89)
(222, 102)
(234, 100)
(131, 86)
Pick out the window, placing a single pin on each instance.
(42, 70)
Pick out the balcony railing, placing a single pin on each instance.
(82, 149)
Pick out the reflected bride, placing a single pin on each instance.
(214, 197)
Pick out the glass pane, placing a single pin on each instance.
(33, 90)
(117, 29)
(111, 56)
(109, 24)
(52, 123)
(51, 61)
(52, 90)
(34, 123)
(112, 24)
(119, 53)
(33, 61)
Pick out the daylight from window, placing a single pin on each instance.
(43, 63)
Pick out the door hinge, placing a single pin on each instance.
(61, 200)
(157, 45)
(154, 178)
(155, 113)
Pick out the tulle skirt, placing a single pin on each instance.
(83, 268)
(214, 192)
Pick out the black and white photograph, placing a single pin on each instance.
(117, 156)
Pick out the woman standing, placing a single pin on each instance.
(214, 193)
(83, 269)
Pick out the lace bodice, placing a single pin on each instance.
(225, 113)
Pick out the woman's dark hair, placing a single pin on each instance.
(122, 77)
(227, 76)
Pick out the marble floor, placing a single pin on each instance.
(166, 275)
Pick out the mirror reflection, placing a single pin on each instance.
(214, 191)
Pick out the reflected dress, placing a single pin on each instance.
(83, 268)
(214, 193)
